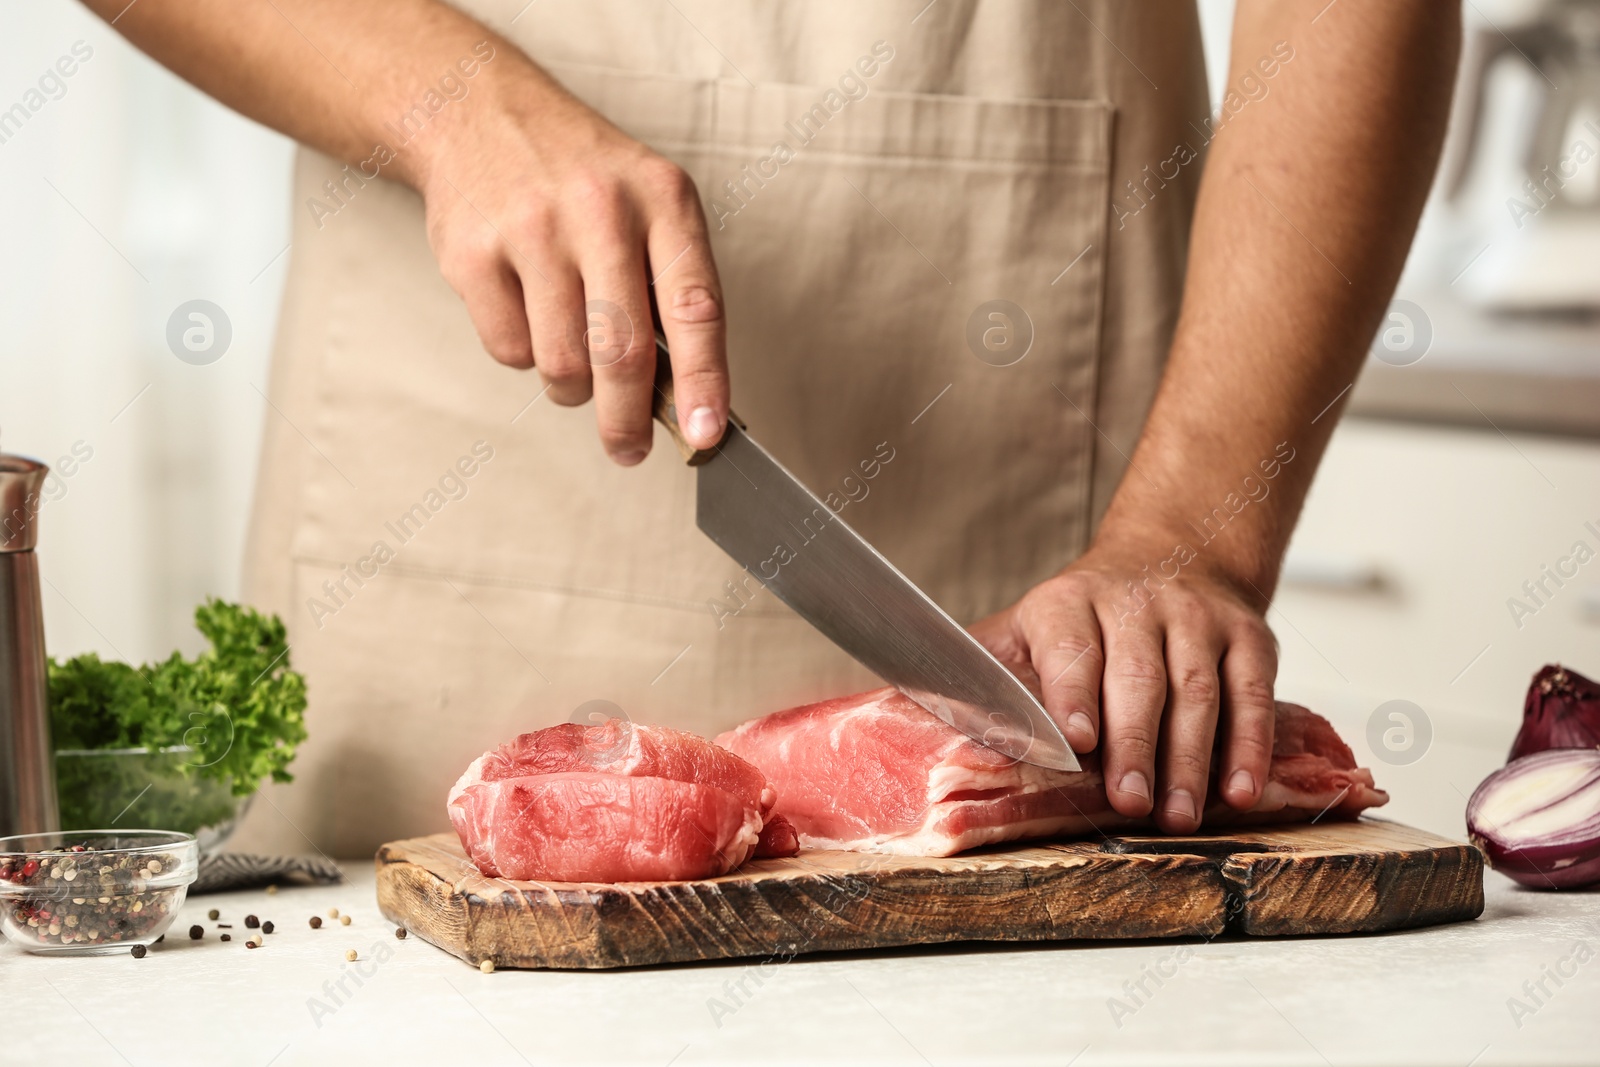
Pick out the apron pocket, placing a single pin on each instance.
(922, 275)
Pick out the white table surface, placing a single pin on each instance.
(1427, 996)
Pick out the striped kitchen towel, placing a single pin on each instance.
(236, 870)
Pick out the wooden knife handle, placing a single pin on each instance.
(666, 411)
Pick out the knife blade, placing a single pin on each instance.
(797, 547)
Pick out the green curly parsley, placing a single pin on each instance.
(238, 705)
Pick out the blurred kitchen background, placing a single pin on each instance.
(1469, 465)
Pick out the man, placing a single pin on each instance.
(957, 261)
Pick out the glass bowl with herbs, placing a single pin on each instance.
(147, 787)
(181, 744)
(87, 894)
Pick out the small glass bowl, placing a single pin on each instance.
(91, 892)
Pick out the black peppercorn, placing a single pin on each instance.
(227, 937)
(267, 927)
(316, 922)
(137, 951)
(196, 933)
(251, 921)
(400, 932)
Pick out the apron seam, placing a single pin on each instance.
(1087, 520)
(976, 162)
(556, 67)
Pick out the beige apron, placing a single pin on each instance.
(458, 562)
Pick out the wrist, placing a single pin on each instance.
(1232, 552)
(521, 125)
(450, 112)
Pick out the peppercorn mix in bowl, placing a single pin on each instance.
(90, 892)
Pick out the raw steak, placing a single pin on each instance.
(876, 773)
(617, 802)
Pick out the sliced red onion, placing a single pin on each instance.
(1537, 819)
(1562, 711)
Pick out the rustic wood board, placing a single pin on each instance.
(1336, 878)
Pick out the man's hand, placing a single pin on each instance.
(556, 228)
(1154, 666)
(551, 224)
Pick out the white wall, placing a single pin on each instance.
(125, 197)
(1216, 29)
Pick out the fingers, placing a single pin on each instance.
(1190, 726)
(1249, 669)
(1002, 635)
(493, 293)
(689, 298)
(1064, 638)
(622, 355)
(1133, 693)
(1161, 684)
(554, 298)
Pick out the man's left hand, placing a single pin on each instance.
(1154, 665)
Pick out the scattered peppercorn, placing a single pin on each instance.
(249, 944)
(196, 932)
(344, 920)
(400, 932)
(255, 941)
(487, 966)
(227, 937)
(137, 952)
(251, 921)
(316, 922)
(333, 913)
(272, 889)
(266, 927)
(350, 955)
(213, 914)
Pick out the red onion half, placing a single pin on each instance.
(1537, 819)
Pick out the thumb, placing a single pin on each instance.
(1002, 635)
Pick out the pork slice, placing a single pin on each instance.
(875, 772)
(618, 801)
(596, 827)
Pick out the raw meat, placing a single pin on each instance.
(614, 802)
(874, 772)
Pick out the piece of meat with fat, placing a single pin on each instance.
(614, 802)
(875, 772)
(587, 827)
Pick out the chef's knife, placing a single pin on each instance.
(797, 547)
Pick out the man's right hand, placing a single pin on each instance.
(538, 208)
(558, 231)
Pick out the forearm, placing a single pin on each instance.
(339, 76)
(1307, 207)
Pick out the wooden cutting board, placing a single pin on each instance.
(1334, 878)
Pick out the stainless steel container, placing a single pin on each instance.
(27, 772)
